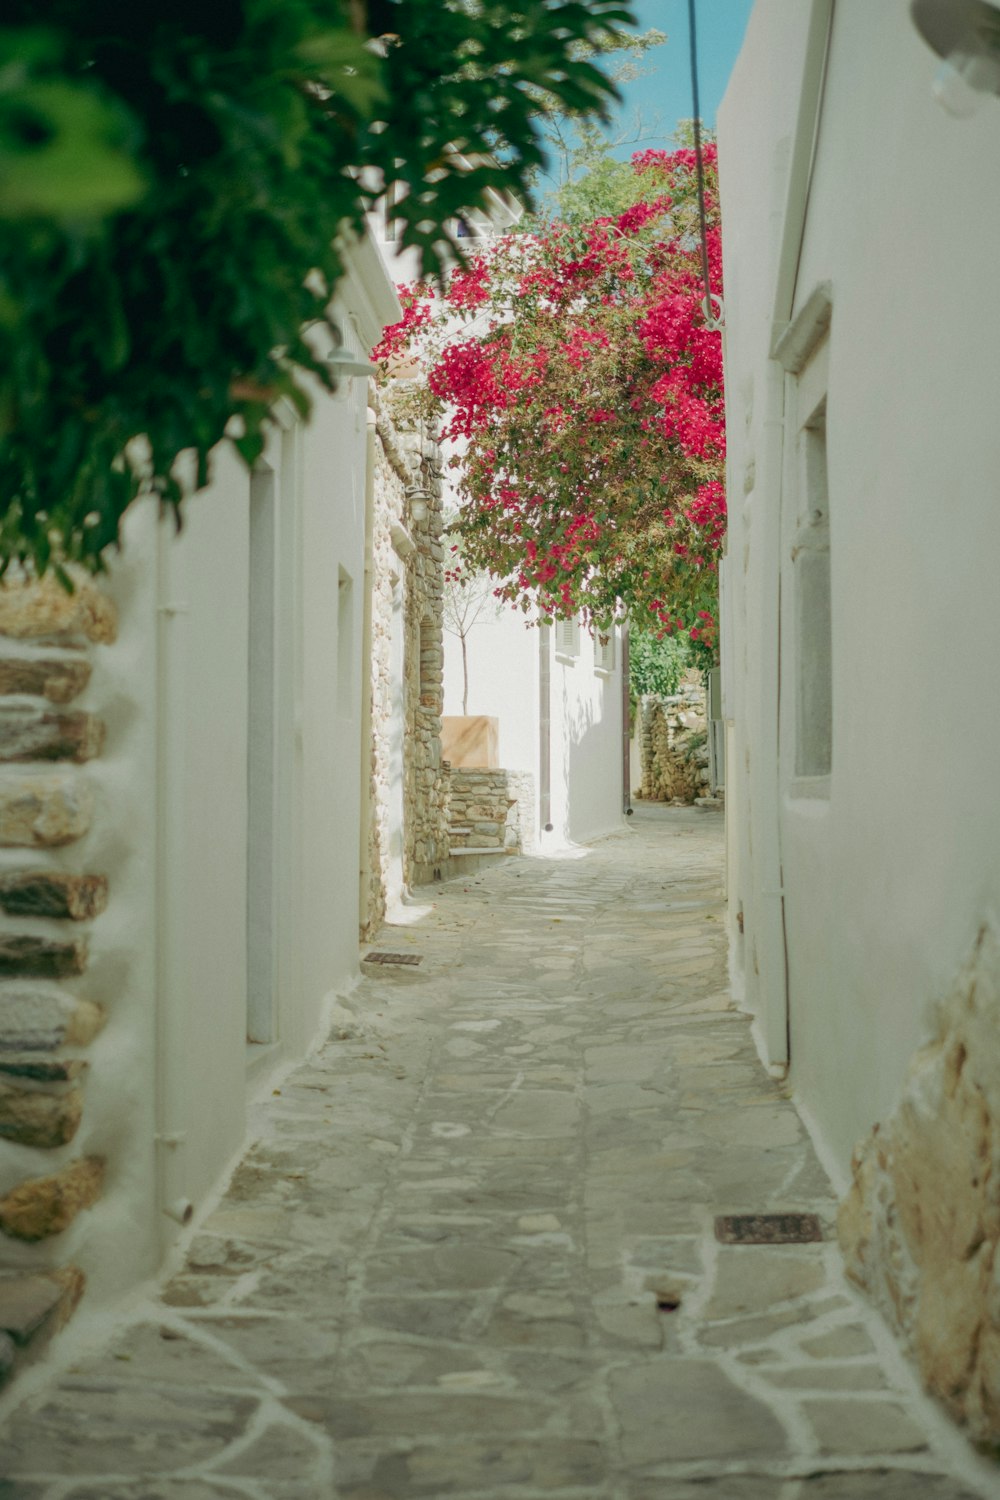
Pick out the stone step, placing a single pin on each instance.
(475, 849)
(33, 1306)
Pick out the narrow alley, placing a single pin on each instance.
(473, 1252)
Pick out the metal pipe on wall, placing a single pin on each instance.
(545, 727)
(364, 862)
(626, 726)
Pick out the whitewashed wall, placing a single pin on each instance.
(172, 1073)
(585, 708)
(888, 879)
(503, 681)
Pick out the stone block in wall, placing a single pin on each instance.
(43, 809)
(28, 1066)
(920, 1227)
(35, 1018)
(36, 608)
(59, 679)
(38, 1300)
(495, 815)
(44, 1206)
(30, 733)
(31, 1117)
(53, 893)
(33, 957)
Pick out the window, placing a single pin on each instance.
(604, 651)
(806, 640)
(568, 639)
(811, 571)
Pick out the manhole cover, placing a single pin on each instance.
(392, 958)
(768, 1229)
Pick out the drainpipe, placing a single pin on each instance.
(364, 861)
(545, 728)
(172, 1019)
(626, 726)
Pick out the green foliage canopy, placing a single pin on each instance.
(658, 662)
(174, 181)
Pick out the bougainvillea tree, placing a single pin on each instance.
(582, 386)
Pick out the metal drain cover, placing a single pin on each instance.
(768, 1229)
(392, 958)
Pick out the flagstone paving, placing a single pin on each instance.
(472, 1255)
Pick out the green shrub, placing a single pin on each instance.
(657, 665)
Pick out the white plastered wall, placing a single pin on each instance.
(502, 656)
(172, 1073)
(888, 879)
(585, 717)
(587, 745)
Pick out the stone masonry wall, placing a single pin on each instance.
(920, 1227)
(390, 478)
(407, 467)
(673, 741)
(427, 785)
(49, 896)
(491, 809)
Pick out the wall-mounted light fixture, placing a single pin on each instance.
(344, 364)
(419, 508)
(966, 34)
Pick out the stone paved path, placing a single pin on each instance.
(472, 1256)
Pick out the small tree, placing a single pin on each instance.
(467, 597)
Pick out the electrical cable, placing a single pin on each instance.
(713, 320)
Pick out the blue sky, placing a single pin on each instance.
(665, 94)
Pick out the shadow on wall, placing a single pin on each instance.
(591, 758)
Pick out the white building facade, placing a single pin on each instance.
(861, 630)
(557, 695)
(187, 759)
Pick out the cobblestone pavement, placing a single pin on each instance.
(472, 1253)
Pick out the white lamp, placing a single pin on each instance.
(343, 362)
(418, 505)
(966, 34)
